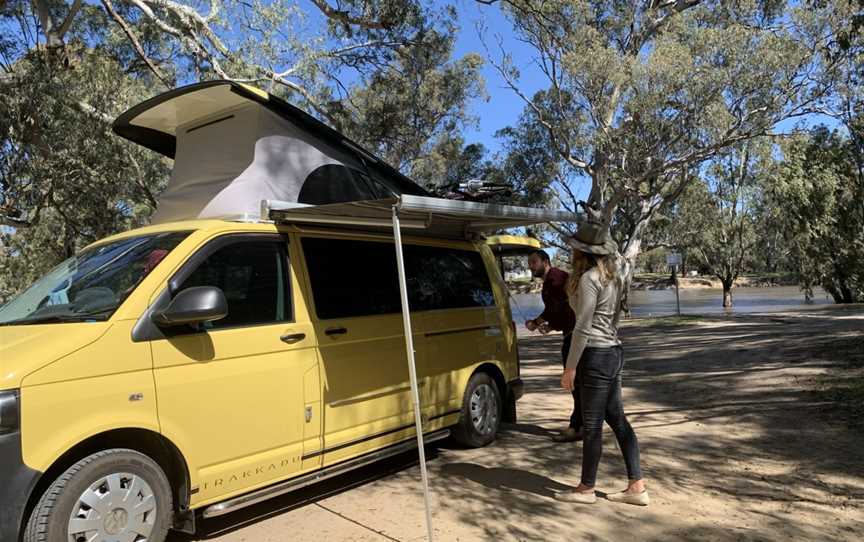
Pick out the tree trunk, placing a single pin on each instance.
(727, 293)
(630, 251)
(840, 290)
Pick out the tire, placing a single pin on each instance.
(481, 412)
(139, 508)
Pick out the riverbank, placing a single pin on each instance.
(656, 281)
(707, 301)
(663, 282)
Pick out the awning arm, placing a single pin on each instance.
(412, 367)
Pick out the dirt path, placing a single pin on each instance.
(735, 446)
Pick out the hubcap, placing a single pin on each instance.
(484, 409)
(119, 507)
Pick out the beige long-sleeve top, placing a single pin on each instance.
(597, 309)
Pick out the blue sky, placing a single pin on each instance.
(503, 106)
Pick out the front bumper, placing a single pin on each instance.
(17, 481)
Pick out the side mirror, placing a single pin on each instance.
(193, 306)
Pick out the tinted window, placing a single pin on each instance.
(253, 276)
(352, 278)
(359, 278)
(443, 278)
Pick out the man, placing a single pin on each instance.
(558, 316)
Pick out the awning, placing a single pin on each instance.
(426, 216)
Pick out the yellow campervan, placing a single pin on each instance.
(205, 364)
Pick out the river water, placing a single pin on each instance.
(693, 301)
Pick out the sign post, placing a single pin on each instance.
(674, 259)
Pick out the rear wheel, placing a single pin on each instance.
(119, 495)
(481, 412)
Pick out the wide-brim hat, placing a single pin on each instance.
(608, 247)
(592, 235)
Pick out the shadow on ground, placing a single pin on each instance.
(736, 445)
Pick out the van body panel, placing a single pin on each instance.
(233, 400)
(366, 389)
(251, 383)
(364, 372)
(26, 349)
(105, 385)
(313, 436)
(454, 344)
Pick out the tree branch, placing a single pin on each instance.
(139, 180)
(345, 18)
(109, 7)
(92, 112)
(565, 151)
(675, 6)
(44, 17)
(64, 27)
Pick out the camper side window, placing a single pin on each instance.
(444, 278)
(253, 275)
(359, 278)
(352, 278)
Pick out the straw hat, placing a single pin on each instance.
(593, 235)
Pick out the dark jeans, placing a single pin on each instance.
(576, 415)
(599, 375)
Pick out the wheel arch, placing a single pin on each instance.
(154, 445)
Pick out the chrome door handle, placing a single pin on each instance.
(292, 338)
(336, 331)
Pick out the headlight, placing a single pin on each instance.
(9, 419)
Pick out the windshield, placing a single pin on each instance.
(92, 284)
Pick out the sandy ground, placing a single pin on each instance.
(735, 446)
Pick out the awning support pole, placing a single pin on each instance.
(412, 368)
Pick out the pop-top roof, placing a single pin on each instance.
(234, 145)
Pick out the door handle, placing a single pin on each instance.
(292, 338)
(335, 331)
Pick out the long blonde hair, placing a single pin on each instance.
(582, 262)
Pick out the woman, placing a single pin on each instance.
(595, 290)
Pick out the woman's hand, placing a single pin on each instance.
(568, 377)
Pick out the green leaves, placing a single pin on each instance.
(412, 112)
(819, 192)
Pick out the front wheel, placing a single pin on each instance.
(481, 412)
(119, 495)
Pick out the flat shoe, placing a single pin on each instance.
(639, 499)
(584, 497)
(568, 435)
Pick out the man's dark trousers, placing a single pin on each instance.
(576, 415)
